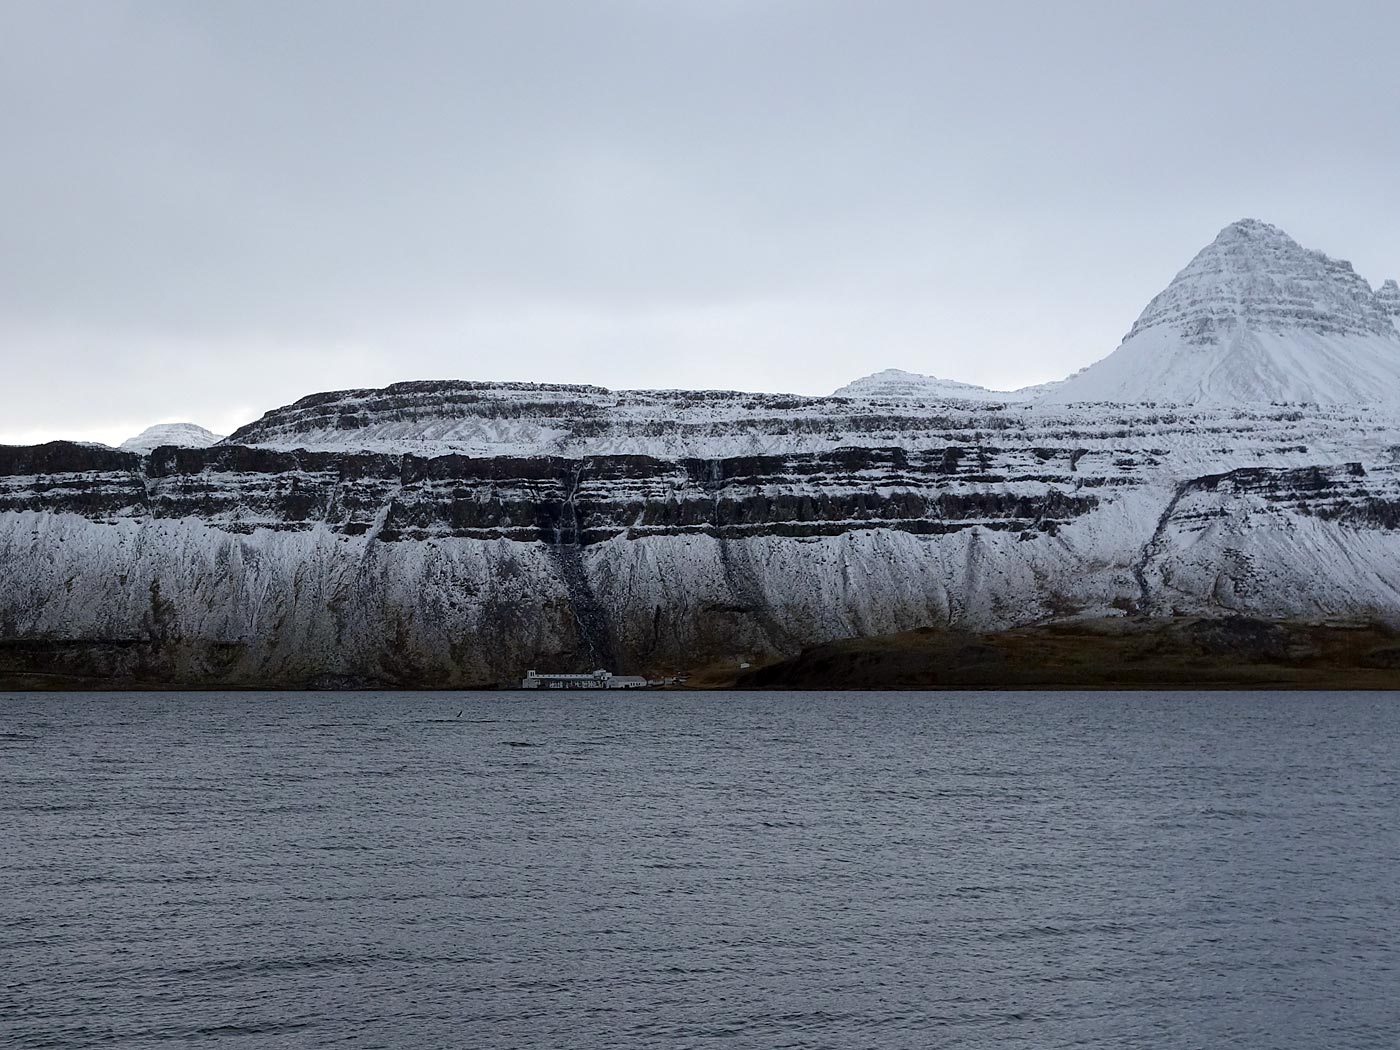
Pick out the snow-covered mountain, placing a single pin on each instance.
(454, 533)
(182, 435)
(1254, 318)
(897, 383)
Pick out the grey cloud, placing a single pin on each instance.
(212, 206)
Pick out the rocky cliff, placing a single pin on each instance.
(1388, 296)
(449, 533)
(246, 564)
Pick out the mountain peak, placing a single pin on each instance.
(1253, 230)
(1254, 316)
(1253, 276)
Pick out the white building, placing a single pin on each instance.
(597, 680)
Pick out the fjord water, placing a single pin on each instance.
(746, 870)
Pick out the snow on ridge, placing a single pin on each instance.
(897, 383)
(1199, 439)
(182, 435)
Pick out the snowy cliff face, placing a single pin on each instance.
(435, 418)
(242, 564)
(455, 533)
(527, 419)
(440, 416)
(237, 564)
(182, 435)
(1254, 318)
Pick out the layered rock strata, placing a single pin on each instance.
(241, 565)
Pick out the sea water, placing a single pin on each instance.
(700, 869)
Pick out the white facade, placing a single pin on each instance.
(599, 679)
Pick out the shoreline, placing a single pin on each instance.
(1122, 654)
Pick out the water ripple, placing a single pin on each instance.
(660, 870)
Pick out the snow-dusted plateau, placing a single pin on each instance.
(1235, 462)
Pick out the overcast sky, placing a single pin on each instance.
(208, 209)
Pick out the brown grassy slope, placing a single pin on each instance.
(1234, 653)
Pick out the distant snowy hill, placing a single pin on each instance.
(897, 383)
(1254, 318)
(183, 435)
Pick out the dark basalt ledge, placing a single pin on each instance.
(430, 398)
(63, 457)
(564, 504)
(1187, 653)
(553, 500)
